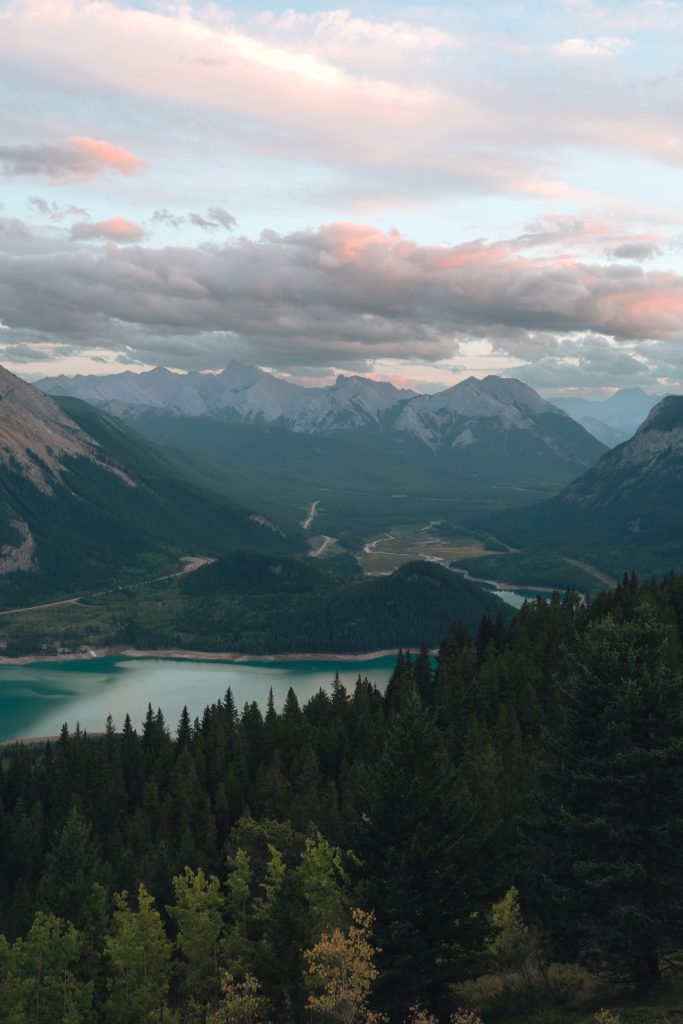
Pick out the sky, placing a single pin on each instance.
(416, 193)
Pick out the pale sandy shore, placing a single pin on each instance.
(38, 739)
(175, 654)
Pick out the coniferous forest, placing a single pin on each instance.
(500, 828)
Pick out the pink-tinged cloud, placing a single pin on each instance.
(342, 294)
(99, 156)
(77, 159)
(116, 229)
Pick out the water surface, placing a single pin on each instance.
(36, 700)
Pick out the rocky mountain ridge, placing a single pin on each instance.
(36, 436)
(455, 418)
(625, 512)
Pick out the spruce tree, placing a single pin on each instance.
(418, 847)
(614, 804)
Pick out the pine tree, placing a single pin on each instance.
(38, 981)
(419, 851)
(615, 816)
(139, 957)
(323, 883)
(71, 868)
(197, 912)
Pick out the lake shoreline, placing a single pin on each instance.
(179, 654)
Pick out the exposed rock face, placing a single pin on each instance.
(447, 418)
(22, 557)
(36, 436)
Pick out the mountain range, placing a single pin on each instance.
(89, 507)
(625, 512)
(240, 393)
(494, 429)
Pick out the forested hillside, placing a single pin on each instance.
(494, 834)
(256, 603)
(86, 503)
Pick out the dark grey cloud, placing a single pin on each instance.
(341, 295)
(636, 251)
(226, 220)
(55, 211)
(215, 219)
(51, 161)
(164, 216)
(25, 352)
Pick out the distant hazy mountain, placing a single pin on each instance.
(84, 501)
(613, 419)
(626, 511)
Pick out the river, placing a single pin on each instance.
(36, 699)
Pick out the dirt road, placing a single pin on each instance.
(190, 564)
(312, 512)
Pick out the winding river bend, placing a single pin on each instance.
(36, 699)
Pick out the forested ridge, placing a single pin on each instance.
(472, 841)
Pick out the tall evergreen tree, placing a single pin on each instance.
(615, 809)
(418, 851)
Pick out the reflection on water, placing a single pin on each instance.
(516, 598)
(35, 700)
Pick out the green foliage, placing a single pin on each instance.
(198, 914)
(243, 1002)
(258, 603)
(71, 869)
(38, 976)
(139, 956)
(537, 771)
(419, 841)
(615, 796)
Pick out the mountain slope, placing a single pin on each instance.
(85, 502)
(500, 429)
(626, 512)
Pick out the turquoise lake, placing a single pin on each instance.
(36, 700)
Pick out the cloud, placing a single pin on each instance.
(222, 218)
(635, 251)
(28, 353)
(407, 120)
(337, 295)
(54, 211)
(607, 46)
(14, 230)
(78, 159)
(174, 220)
(215, 219)
(116, 229)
